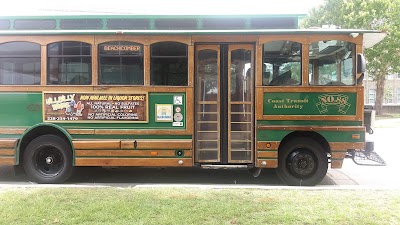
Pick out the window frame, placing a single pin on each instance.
(120, 56)
(185, 56)
(299, 82)
(15, 57)
(62, 56)
(354, 56)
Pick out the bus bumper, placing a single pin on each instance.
(367, 156)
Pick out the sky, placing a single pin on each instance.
(156, 7)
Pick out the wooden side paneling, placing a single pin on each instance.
(267, 154)
(95, 65)
(7, 152)
(88, 88)
(97, 144)
(159, 144)
(146, 65)
(271, 163)
(43, 65)
(259, 103)
(336, 163)
(312, 128)
(7, 161)
(80, 131)
(310, 89)
(47, 39)
(190, 111)
(225, 38)
(12, 130)
(337, 146)
(360, 104)
(190, 65)
(268, 145)
(304, 64)
(141, 132)
(142, 39)
(131, 153)
(338, 155)
(8, 143)
(155, 162)
(259, 72)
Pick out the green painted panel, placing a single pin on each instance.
(20, 109)
(308, 103)
(330, 136)
(9, 136)
(25, 109)
(130, 136)
(309, 123)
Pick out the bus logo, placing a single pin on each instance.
(333, 99)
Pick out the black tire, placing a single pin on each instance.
(48, 159)
(302, 162)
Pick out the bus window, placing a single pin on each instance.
(69, 63)
(169, 64)
(332, 63)
(121, 63)
(281, 63)
(20, 63)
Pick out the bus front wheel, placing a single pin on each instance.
(48, 159)
(302, 162)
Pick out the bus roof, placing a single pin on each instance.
(170, 25)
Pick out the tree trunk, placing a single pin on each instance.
(380, 90)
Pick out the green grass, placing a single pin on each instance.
(387, 116)
(197, 206)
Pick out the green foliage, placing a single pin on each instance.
(370, 15)
(383, 58)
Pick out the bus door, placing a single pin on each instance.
(224, 97)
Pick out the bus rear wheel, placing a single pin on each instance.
(302, 162)
(48, 159)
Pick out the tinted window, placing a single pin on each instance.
(69, 63)
(281, 63)
(20, 63)
(128, 24)
(81, 24)
(5, 24)
(34, 24)
(169, 64)
(121, 63)
(332, 63)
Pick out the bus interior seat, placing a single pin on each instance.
(283, 79)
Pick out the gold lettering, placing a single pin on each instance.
(127, 48)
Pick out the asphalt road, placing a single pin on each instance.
(350, 176)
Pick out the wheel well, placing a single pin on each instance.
(313, 135)
(36, 132)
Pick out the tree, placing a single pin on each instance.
(383, 58)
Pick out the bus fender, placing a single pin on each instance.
(39, 130)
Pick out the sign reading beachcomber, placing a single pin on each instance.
(84, 107)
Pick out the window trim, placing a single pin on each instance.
(26, 57)
(354, 52)
(186, 56)
(99, 55)
(49, 56)
(301, 61)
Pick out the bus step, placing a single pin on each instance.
(367, 158)
(210, 166)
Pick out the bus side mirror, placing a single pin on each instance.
(361, 63)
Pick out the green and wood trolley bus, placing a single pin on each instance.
(180, 91)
